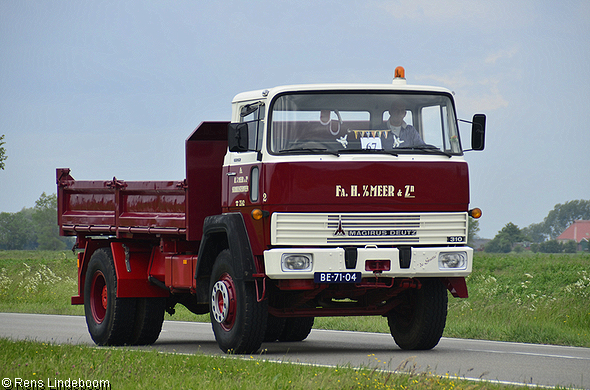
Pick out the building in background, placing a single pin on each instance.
(579, 231)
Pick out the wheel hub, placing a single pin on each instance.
(98, 297)
(223, 306)
(219, 298)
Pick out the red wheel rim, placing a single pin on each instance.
(98, 297)
(223, 302)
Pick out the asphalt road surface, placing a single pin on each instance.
(473, 359)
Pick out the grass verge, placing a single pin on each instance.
(57, 366)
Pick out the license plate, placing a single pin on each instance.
(337, 277)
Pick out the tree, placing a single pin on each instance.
(3, 155)
(512, 233)
(535, 232)
(473, 230)
(570, 247)
(498, 245)
(551, 246)
(505, 239)
(45, 218)
(17, 230)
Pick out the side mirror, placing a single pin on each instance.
(237, 137)
(478, 132)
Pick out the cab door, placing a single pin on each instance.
(243, 170)
(243, 184)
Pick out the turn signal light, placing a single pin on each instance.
(258, 214)
(475, 213)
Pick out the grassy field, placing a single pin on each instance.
(516, 297)
(533, 298)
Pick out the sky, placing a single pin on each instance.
(113, 88)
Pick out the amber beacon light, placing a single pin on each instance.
(400, 72)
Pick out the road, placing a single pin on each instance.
(473, 359)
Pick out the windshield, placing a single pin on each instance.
(363, 122)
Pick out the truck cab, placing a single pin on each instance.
(326, 172)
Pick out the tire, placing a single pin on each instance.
(297, 329)
(110, 319)
(274, 328)
(418, 323)
(149, 316)
(237, 318)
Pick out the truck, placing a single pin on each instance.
(313, 201)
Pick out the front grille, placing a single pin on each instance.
(312, 229)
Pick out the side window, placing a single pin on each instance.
(432, 123)
(437, 124)
(254, 118)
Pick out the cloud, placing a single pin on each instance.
(492, 58)
(476, 95)
(436, 11)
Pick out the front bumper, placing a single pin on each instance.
(424, 262)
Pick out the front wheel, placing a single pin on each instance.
(237, 318)
(419, 321)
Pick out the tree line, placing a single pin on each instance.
(3, 155)
(33, 228)
(542, 237)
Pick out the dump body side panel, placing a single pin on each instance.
(116, 207)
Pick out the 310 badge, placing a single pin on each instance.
(456, 239)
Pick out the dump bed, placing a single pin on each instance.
(139, 208)
(114, 207)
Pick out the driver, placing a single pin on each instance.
(403, 135)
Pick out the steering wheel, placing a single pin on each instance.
(329, 123)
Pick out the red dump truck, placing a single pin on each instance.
(315, 200)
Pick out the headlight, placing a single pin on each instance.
(296, 261)
(452, 260)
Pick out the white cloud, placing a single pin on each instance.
(462, 15)
(476, 95)
(439, 11)
(492, 58)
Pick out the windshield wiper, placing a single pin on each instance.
(310, 150)
(425, 148)
(367, 151)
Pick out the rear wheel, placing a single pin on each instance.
(109, 319)
(149, 316)
(419, 321)
(297, 329)
(274, 328)
(237, 318)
